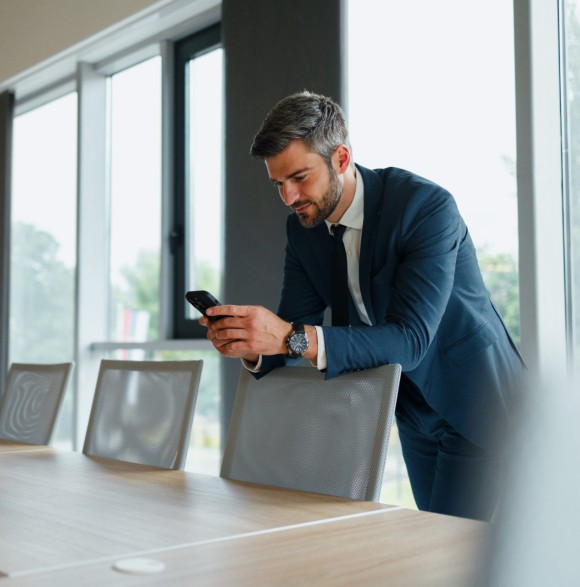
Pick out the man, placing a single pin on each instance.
(416, 298)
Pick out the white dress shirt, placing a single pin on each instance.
(353, 220)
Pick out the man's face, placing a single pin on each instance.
(305, 183)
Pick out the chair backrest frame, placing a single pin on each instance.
(311, 381)
(15, 373)
(194, 367)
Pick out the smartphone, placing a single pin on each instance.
(201, 300)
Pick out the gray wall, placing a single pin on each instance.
(272, 49)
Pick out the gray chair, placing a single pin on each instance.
(295, 430)
(142, 412)
(32, 399)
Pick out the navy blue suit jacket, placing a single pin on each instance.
(424, 294)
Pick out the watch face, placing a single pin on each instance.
(298, 343)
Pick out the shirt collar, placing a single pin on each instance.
(354, 215)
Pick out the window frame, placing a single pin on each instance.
(185, 50)
(569, 211)
(539, 187)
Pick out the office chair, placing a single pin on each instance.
(142, 411)
(293, 429)
(32, 400)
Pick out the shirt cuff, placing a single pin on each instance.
(321, 356)
(253, 367)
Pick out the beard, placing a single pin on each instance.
(327, 204)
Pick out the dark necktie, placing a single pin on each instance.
(340, 292)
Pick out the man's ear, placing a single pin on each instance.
(341, 158)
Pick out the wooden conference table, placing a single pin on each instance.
(69, 519)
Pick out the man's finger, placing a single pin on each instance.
(228, 311)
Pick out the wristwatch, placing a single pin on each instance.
(297, 342)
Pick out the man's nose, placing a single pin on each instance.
(289, 193)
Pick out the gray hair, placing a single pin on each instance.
(316, 120)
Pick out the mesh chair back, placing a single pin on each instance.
(32, 401)
(293, 429)
(142, 411)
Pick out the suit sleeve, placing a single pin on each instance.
(429, 235)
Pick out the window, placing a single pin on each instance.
(121, 206)
(135, 247)
(571, 141)
(135, 185)
(430, 91)
(198, 233)
(116, 133)
(43, 255)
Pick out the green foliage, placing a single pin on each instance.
(207, 278)
(42, 298)
(500, 273)
(142, 290)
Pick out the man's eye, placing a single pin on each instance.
(300, 178)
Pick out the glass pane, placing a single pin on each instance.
(439, 101)
(572, 60)
(43, 251)
(135, 192)
(204, 222)
(204, 454)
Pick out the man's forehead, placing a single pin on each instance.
(292, 161)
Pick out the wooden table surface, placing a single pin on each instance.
(67, 518)
(58, 508)
(389, 547)
(8, 446)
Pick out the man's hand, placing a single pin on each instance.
(247, 331)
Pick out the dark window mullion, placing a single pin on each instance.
(185, 50)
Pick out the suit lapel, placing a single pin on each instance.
(373, 200)
(320, 244)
